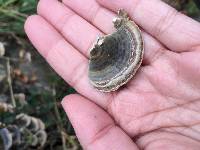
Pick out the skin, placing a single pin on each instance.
(159, 108)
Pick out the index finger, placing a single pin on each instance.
(68, 62)
(177, 31)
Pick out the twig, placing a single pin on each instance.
(7, 13)
(10, 82)
(59, 124)
(13, 14)
(17, 39)
(8, 3)
(10, 59)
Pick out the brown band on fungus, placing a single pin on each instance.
(115, 58)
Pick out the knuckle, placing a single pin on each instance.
(101, 133)
(94, 15)
(165, 22)
(78, 73)
(63, 20)
(49, 52)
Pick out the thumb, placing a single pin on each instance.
(95, 129)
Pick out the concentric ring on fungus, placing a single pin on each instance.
(115, 58)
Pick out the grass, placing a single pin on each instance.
(13, 14)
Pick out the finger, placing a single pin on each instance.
(177, 31)
(64, 59)
(94, 127)
(94, 13)
(102, 19)
(75, 29)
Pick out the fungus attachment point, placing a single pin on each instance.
(115, 58)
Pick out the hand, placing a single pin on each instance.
(159, 108)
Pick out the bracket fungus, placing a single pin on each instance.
(115, 58)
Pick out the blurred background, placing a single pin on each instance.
(31, 116)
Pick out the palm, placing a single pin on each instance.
(154, 103)
(161, 104)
